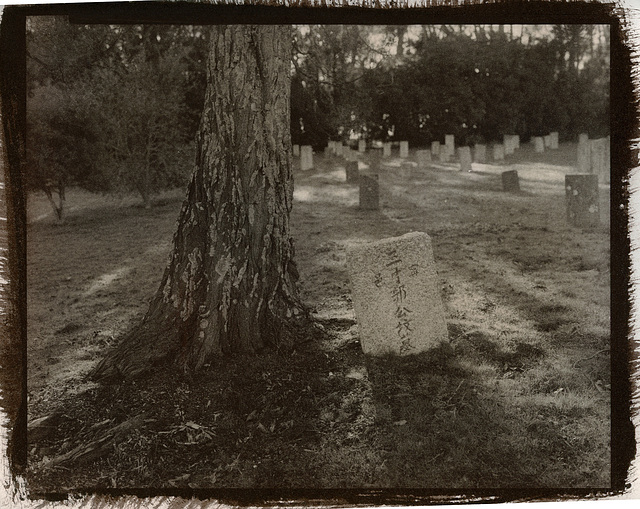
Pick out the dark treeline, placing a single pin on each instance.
(477, 82)
(116, 108)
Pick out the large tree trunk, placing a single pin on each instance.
(230, 283)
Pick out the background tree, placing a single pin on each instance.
(230, 284)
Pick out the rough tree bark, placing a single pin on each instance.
(230, 285)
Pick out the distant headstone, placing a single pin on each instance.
(362, 146)
(306, 157)
(396, 295)
(337, 147)
(479, 153)
(584, 155)
(328, 151)
(464, 153)
(386, 149)
(583, 138)
(498, 152)
(582, 200)
(554, 140)
(435, 148)
(516, 140)
(404, 149)
(351, 169)
(509, 144)
(547, 141)
(538, 142)
(423, 157)
(369, 191)
(510, 181)
(443, 156)
(449, 143)
(296, 150)
(599, 154)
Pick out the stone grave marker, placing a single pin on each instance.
(582, 200)
(509, 144)
(306, 157)
(449, 143)
(547, 141)
(498, 152)
(362, 146)
(423, 157)
(351, 170)
(538, 142)
(600, 163)
(464, 154)
(555, 140)
(583, 138)
(443, 156)
(369, 191)
(328, 151)
(584, 156)
(516, 140)
(296, 150)
(404, 149)
(337, 147)
(479, 153)
(386, 149)
(510, 181)
(435, 148)
(396, 295)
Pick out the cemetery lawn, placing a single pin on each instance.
(518, 398)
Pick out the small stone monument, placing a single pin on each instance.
(443, 156)
(306, 157)
(582, 200)
(362, 146)
(479, 153)
(435, 148)
(498, 152)
(404, 149)
(386, 149)
(538, 142)
(584, 154)
(296, 151)
(369, 191)
(396, 295)
(583, 138)
(510, 182)
(555, 140)
(449, 143)
(464, 153)
(516, 141)
(351, 169)
(337, 147)
(547, 141)
(509, 144)
(599, 159)
(423, 157)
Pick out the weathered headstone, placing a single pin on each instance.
(509, 144)
(555, 140)
(404, 149)
(296, 150)
(583, 138)
(582, 200)
(328, 151)
(423, 157)
(351, 170)
(449, 143)
(538, 142)
(584, 154)
(435, 148)
(396, 295)
(479, 153)
(306, 157)
(600, 163)
(369, 191)
(443, 156)
(516, 140)
(547, 141)
(386, 149)
(498, 152)
(337, 147)
(464, 153)
(362, 146)
(510, 181)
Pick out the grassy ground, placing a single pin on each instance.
(518, 398)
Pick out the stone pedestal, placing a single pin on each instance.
(464, 154)
(404, 149)
(498, 152)
(538, 143)
(510, 181)
(362, 146)
(479, 153)
(435, 148)
(369, 191)
(386, 149)
(583, 207)
(555, 140)
(306, 157)
(396, 295)
(296, 151)
(351, 169)
(423, 158)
